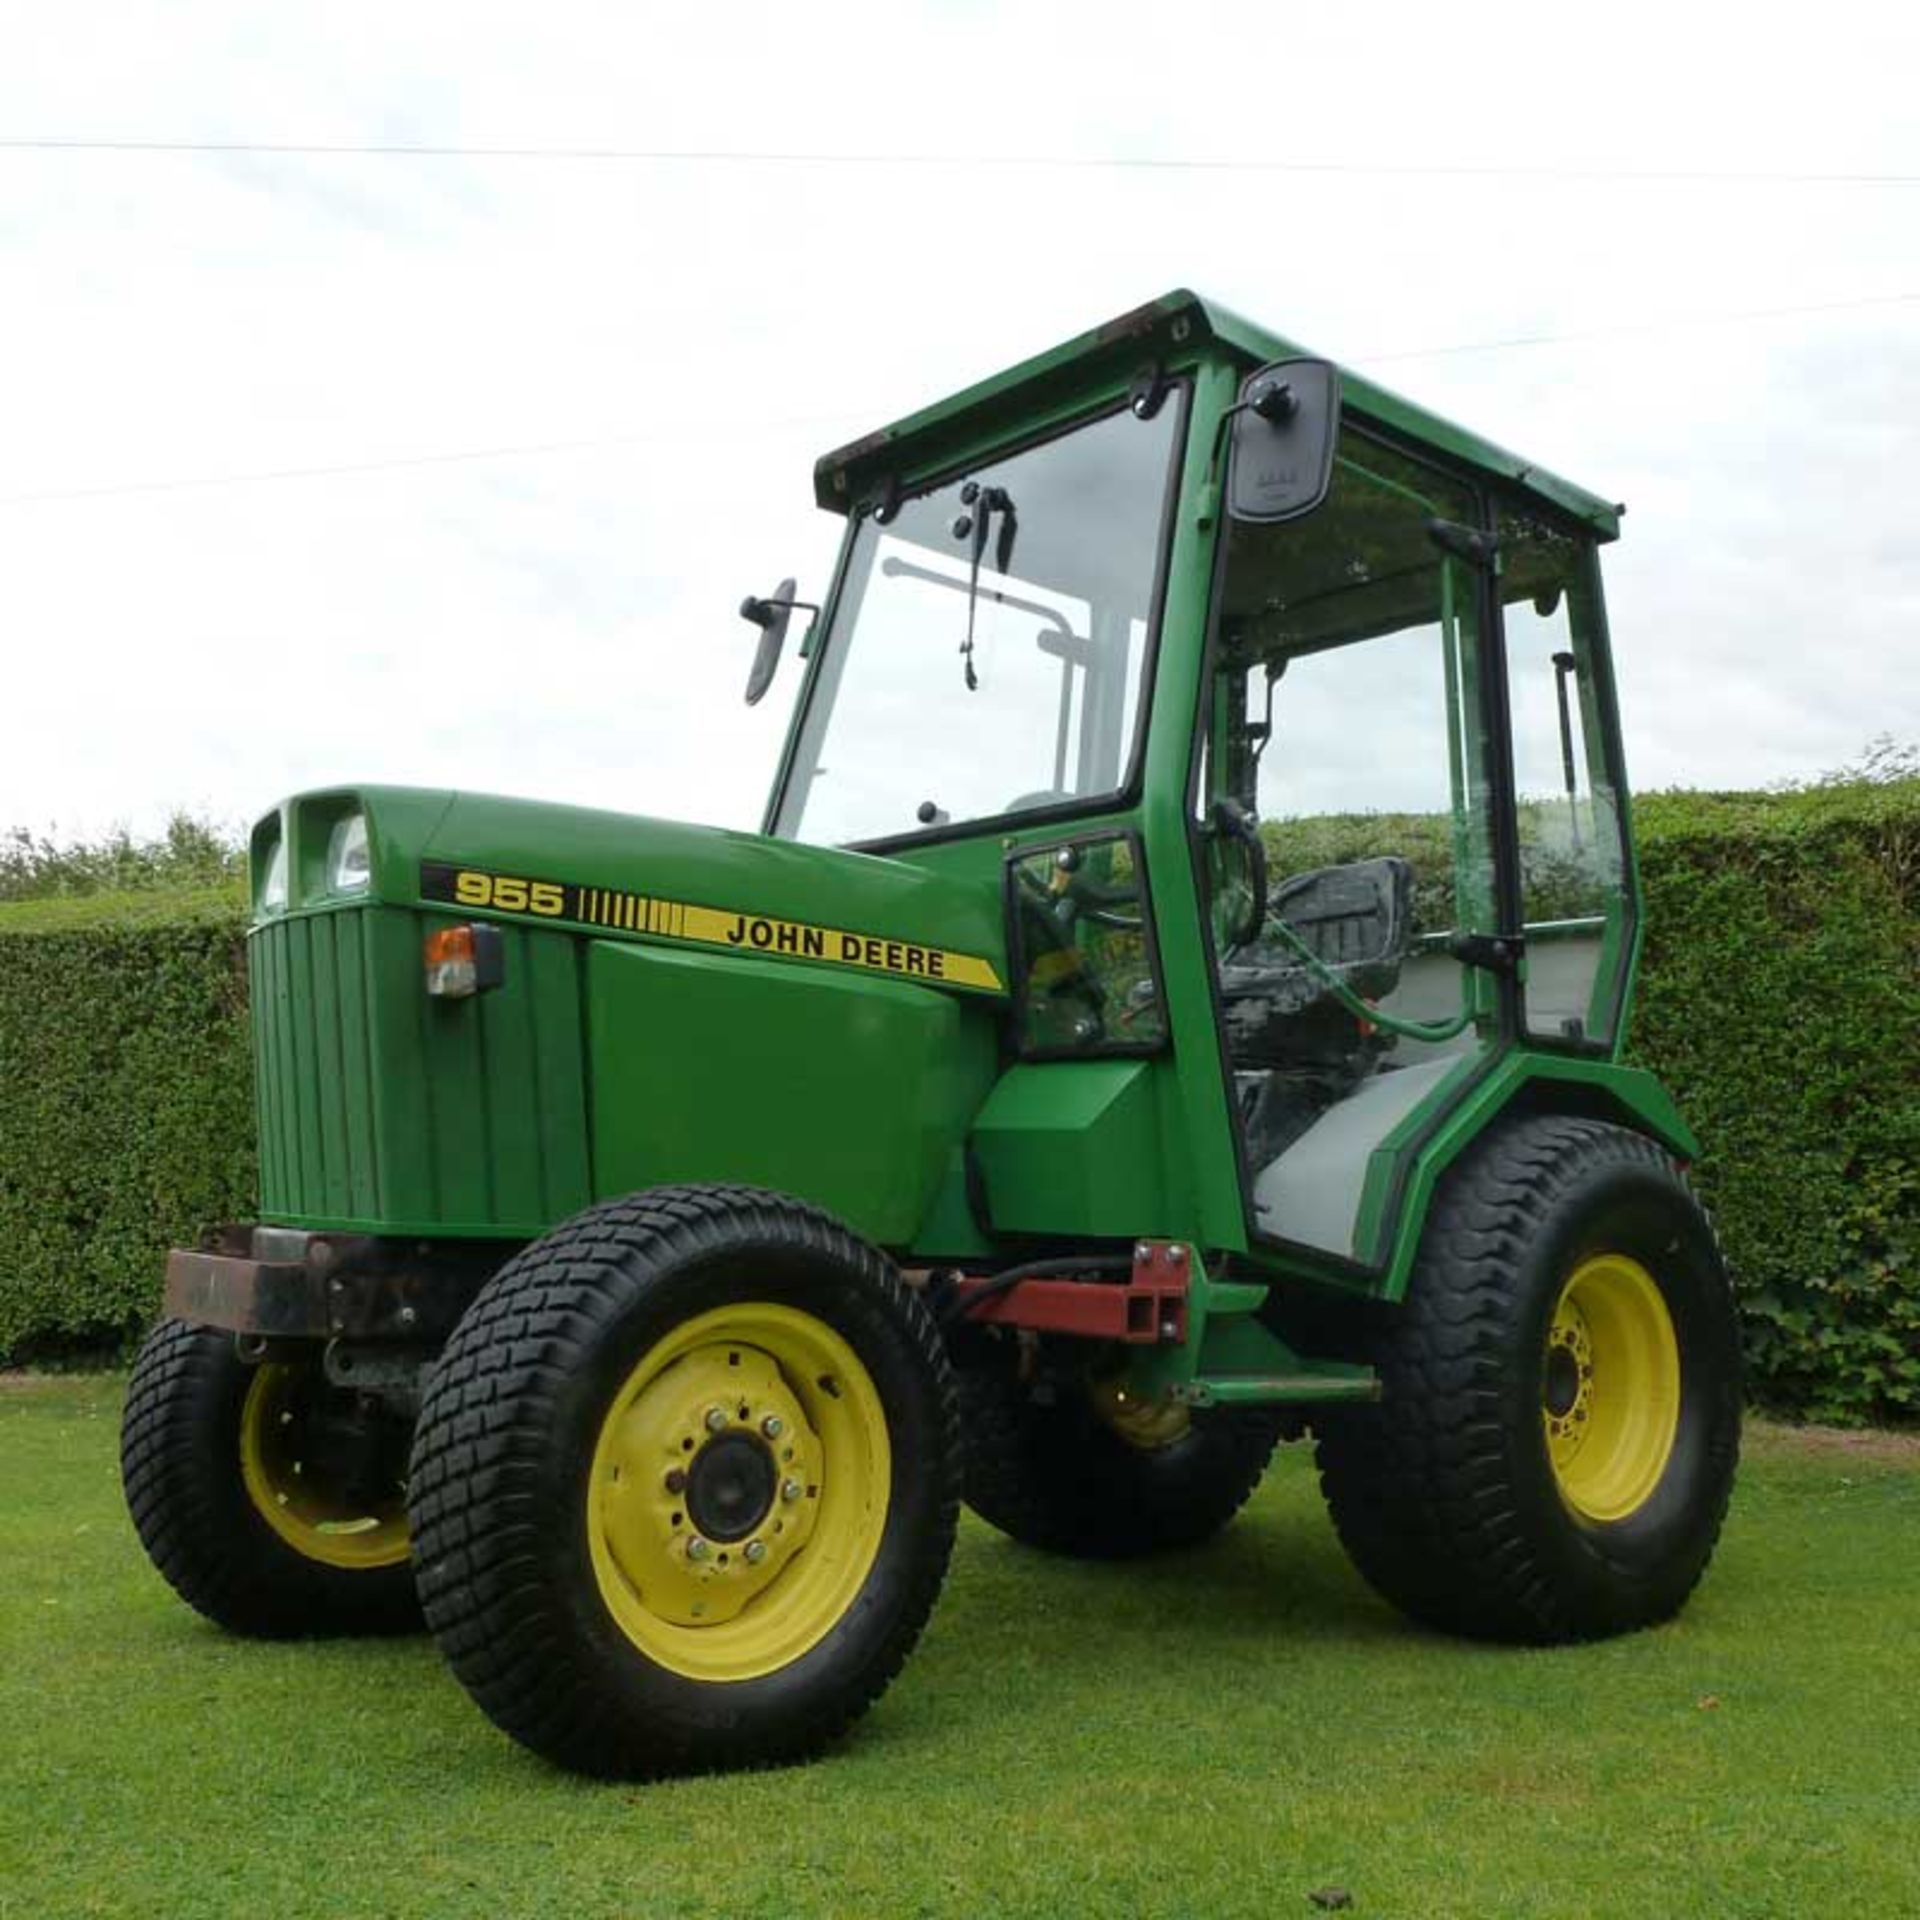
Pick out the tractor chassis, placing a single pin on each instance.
(382, 1306)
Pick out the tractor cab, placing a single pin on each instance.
(1282, 714)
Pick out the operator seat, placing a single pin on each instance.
(1279, 1012)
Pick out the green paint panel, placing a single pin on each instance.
(848, 1091)
(950, 1234)
(735, 874)
(322, 960)
(356, 1065)
(389, 1111)
(559, 1083)
(1074, 1147)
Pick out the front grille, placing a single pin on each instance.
(382, 1109)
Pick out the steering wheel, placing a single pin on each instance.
(1071, 897)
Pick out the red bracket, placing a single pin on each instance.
(1149, 1308)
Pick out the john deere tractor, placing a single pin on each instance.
(1175, 1003)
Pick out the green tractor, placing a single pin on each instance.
(1176, 1004)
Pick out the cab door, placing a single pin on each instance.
(1348, 723)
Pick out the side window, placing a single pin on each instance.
(1084, 961)
(1573, 884)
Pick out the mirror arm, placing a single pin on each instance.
(1275, 403)
(760, 612)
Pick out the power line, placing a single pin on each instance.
(118, 489)
(1660, 325)
(1073, 163)
(399, 463)
(539, 448)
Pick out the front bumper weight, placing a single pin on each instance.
(277, 1283)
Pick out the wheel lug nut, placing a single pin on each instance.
(773, 1426)
(676, 1480)
(792, 1490)
(716, 1419)
(697, 1549)
(755, 1552)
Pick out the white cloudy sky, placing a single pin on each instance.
(636, 360)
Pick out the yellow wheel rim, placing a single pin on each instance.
(1141, 1421)
(1610, 1396)
(291, 1492)
(740, 1487)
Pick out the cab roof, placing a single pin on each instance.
(1169, 329)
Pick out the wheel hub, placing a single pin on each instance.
(709, 1484)
(1142, 1421)
(731, 1485)
(1569, 1369)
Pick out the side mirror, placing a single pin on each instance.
(1236, 871)
(1280, 459)
(771, 616)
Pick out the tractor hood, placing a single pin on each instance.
(627, 878)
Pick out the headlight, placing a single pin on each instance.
(349, 863)
(273, 888)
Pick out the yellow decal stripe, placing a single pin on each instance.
(711, 926)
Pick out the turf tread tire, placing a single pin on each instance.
(1441, 1493)
(1057, 1477)
(503, 1569)
(180, 1469)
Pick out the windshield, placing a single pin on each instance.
(989, 644)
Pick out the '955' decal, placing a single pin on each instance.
(504, 894)
(617, 911)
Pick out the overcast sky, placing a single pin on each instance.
(571, 405)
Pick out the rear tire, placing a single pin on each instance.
(685, 1484)
(1062, 1476)
(1555, 1445)
(236, 1491)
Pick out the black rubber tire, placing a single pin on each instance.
(1056, 1476)
(508, 1429)
(1444, 1493)
(180, 1467)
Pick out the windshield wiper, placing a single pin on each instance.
(974, 524)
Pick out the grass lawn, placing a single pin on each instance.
(1221, 1734)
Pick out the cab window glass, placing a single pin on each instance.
(989, 642)
(1572, 865)
(1086, 974)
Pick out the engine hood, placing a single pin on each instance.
(627, 877)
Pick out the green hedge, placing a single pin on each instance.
(126, 1104)
(1780, 1000)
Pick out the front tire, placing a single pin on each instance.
(1555, 1445)
(685, 1484)
(271, 1501)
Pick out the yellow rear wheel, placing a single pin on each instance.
(1559, 1420)
(1610, 1395)
(739, 1492)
